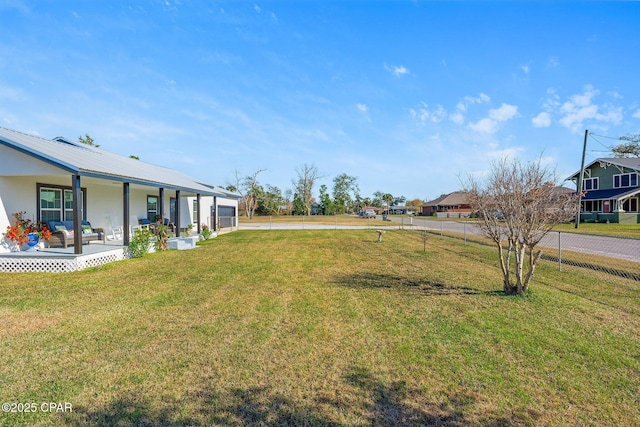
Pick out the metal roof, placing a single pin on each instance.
(85, 160)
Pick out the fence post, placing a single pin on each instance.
(440, 228)
(559, 251)
(465, 232)
(403, 222)
(269, 222)
(336, 218)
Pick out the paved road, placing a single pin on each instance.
(614, 247)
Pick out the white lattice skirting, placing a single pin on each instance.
(58, 264)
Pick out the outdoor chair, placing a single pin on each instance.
(117, 231)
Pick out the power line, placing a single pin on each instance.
(609, 148)
(604, 136)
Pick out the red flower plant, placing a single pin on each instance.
(21, 227)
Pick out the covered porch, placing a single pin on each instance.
(621, 205)
(63, 260)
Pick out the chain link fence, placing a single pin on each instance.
(619, 256)
(612, 255)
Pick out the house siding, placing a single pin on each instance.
(605, 175)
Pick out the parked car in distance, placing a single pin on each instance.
(369, 213)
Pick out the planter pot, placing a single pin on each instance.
(34, 239)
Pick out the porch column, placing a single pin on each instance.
(177, 213)
(77, 214)
(125, 213)
(161, 204)
(198, 207)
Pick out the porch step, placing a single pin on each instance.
(183, 243)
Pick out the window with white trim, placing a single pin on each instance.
(56, 203)
(625, 180)
(592, 206)
(630, 205)
(152, 208)
(195, 211)
(590, 184)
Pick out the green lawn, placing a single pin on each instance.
(621, 230)
(320, 328)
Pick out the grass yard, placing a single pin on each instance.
(320, 328)
(620, 230)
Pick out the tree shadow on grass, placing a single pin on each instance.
(361, 397)
(391, 281)
(396, 405)
(257, 406)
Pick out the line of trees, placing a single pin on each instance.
(343, 197)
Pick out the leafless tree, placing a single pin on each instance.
(249, 189)
(306, 180)
(518, 205)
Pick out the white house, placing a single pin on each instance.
(57, 180)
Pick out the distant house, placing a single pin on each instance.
(58, 180)
(611, 190)
(452, 205)
(399, 210)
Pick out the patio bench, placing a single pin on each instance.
(62, 233)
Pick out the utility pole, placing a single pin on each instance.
(579, 186)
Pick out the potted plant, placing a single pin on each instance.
(24, 231)
(206, 232)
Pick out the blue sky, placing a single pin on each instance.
(409, 96)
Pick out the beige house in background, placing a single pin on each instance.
(452, 205)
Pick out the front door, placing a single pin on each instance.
(172, 210)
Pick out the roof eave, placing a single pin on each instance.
(39, 156)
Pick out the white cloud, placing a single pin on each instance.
(485, 125)
(574, 116)
(580, 108)
(525, 68)
(362, 107)
(257, 8)
(396, 70)
(496, 116)
(542, 120)
(580, 100)
(457, 118)
(480, 99)
(425, 114)
(636, 114)
(504, 113)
